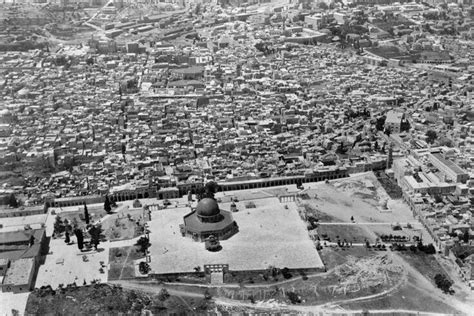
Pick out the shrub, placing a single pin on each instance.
(163, 295)
(286, 273)
(293, 297)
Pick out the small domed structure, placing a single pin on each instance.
(137, 203)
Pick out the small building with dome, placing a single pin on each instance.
(208, 220)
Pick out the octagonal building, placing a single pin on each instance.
(206, 220)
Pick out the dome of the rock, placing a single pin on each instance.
(207, 207)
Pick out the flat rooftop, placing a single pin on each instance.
(268, 235)
(450, 164)
(19, 271)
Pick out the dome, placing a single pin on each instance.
(207, 207)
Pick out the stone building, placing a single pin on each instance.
(208, 220)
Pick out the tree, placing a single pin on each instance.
(430, 249)
(86, 214)
(405, 126)
(465, 236)
(163, 295)
(12, 202)
(286, 273)
(107, 207)
(443, 283)
(58, 225)
(95, 231)
(379, 124)
(420, 246)
(80, 238)
(68, 239)
(431, 136)
(210, 189)
(144, 267)
(144, 243)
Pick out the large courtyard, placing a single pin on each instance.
(65, 265)
(269, 235)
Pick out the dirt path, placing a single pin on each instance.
(124, 263)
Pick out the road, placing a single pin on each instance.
(367, 223)
(99, 11)
(95, 27)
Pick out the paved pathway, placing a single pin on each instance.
(124, 243)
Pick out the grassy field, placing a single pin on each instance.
(116, 228)
(351, 233)
(121, 262)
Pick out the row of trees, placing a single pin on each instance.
(391, 237)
